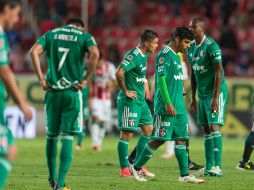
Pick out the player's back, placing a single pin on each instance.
(65, 48)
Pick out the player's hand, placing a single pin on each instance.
(214, 105)
(82, 84)
(193, 105)
(44, 85)
(26, 111)
(131, 94)
(170, 110)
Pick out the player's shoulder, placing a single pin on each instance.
(133, 53)
(209, 41)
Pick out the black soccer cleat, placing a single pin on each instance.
(245, 166)
(194, 166)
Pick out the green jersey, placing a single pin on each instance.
(202, 58)
(65, 48)
(168, 64)
(4, 58)
(134, 63)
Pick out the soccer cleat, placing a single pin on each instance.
(194, 166)
(125, 172)
(146, 172)
(52, 183)
(215, 171)
(61, 188)
(245, 166)
(78, 147)
(190, 179)
(138, 175)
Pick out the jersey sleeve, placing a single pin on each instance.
(42, 41)
(128, 62)
(214, 53)
(4, 49)
(161, 65)
(90, 41)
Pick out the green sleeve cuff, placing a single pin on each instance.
(164, 89)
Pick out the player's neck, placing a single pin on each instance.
(173, 46)
(1, 23)
(142, 49)
(199, 39)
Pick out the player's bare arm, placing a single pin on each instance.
(121, 82)
(93, 60)
(10, 83)
(35, 53)
(218, 78)
(193, 103)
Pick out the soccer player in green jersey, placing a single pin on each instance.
(207, 78)
(65, 48)
(170, 115)
(9, 15)
(133, 111)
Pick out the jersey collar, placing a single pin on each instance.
(140, 52)
(172, 50)
(204, 37)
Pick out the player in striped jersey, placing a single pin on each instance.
(133, 111)
(101, 85)
(207, 78)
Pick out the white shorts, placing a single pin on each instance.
(101, 109)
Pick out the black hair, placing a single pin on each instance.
(200, 20)
(75, 21)
(148, 35)
(11, 3)
(182, 33)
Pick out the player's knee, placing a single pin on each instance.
(180, 142)
(127, 135)
(147, 131)
(156, 143)
(214, 128)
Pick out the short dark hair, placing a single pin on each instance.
(11, 3)
(182, 33)
(75, 21)
(200, 20)
(148, 35)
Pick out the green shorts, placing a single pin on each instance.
(205, 115)
(64, 112)
(2, 108)
(133, 114)
(168, 128)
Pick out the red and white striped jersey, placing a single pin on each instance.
(101, 80)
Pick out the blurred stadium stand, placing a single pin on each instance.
(116, 25)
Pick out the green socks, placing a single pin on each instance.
(123, 152)
(182, 158)
(65, 158)
(143, 141)
(51, 153)
(144, 157)
(217, 147)
(5, 167)
(209, 154)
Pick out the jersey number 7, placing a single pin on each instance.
(66, 51)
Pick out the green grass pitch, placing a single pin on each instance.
(100, 171)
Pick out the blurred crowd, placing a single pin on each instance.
(116, 25)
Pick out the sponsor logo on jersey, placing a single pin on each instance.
(142, 80)
(131, 122)
(179, 67)
(160, 68)
(178, 77)
(143, 68)
(133, 114)
(198, 68)
(165, 124)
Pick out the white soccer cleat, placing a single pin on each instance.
(190, 179)
(138, 175)
(216, 171)
(146, 172)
